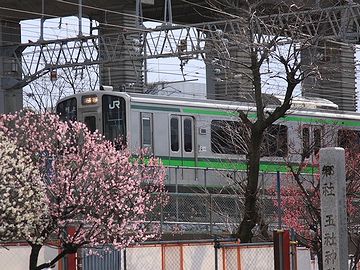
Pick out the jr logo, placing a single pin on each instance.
(115, 104)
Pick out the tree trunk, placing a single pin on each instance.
(68, 249)
(34, 255)
(251, 212)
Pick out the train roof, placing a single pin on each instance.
(269, 100)
(316, 107)
(244, 100)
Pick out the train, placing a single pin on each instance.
(199, 134)
(195, 138)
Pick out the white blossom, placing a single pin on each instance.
(22, 198)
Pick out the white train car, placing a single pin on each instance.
(195, 139)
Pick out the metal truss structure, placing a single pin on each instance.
(341, 23)
(168, 40)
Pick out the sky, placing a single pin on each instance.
(159, 70)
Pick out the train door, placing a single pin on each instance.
(313, 138)
(90, 120)
(182, 149)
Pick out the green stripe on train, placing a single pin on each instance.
(209, 112)
(347, 123)
(215, 112)
(266, 167)
(154, 108)
(290, 118)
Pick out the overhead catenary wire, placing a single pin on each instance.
(110, 11)
(107, 11)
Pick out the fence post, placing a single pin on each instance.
(278, 188)
(205, 178)
(176, 195)
(293, 250)
(79, 259)
(216, 246)
(124, 259)
(210, 214)
(281, 250)
(161, 217)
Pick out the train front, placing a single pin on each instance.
(102, 111)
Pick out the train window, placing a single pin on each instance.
(227, 137)
(275, 141)
(67, 110)
(146, 130)
(114, 117)
(188, 135)
(317, 140)
(90, 122)
(306, 141)
(312, 140)
(231, 137)
(174, 134)
(348, 138)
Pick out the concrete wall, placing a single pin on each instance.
(16, 257)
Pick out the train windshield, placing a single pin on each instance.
(114, 118)
(67, 110)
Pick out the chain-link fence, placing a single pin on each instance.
(210, 201)
(212, 214)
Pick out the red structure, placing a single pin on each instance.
(282, 250)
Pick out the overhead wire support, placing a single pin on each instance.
(42, 20)
(139, 14)
(80, 18)
(182, 41)
(340, 23)
(168, 13)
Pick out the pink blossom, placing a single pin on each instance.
(92, 190)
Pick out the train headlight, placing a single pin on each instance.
(89, 100)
